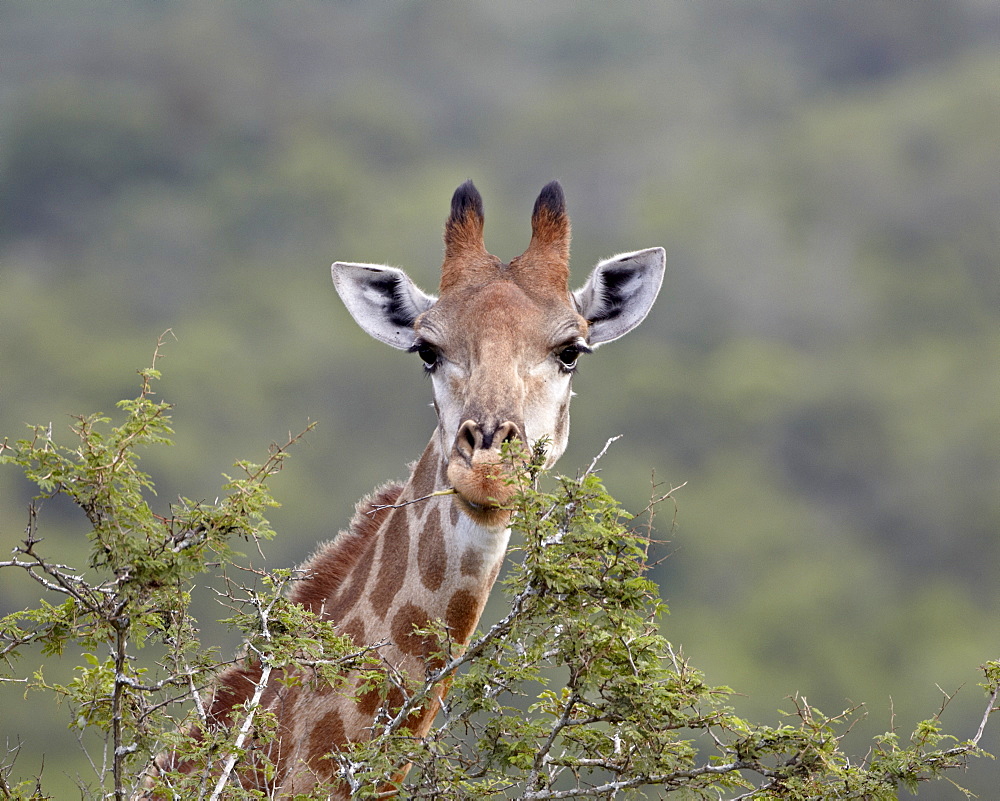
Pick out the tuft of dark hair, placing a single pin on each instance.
(551, 199)
(466, 199)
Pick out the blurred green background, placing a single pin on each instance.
(822, 367)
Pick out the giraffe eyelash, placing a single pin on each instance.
(429, 355)
(569, 353)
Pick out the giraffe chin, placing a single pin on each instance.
(487, 516)
(482, 491)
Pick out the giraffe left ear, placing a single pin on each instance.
(619, 293)
(383, 300)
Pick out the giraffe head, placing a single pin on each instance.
(501, 341)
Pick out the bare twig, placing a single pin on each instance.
(253, 707)
(376, 508)
(991, 707)
(596, 459)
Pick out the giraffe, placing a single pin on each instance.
(500, 342)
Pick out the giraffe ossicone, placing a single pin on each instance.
(501, 342)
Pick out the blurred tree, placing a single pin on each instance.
(824, 178)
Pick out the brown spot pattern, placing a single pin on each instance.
(472, 562)
(233, 687)
(392, 567)
(394, 701)
(278, 750)
(462, 615)
(327, 735)
(408, 618)
(432, 558)
(420, 720)
(370, 701)
(279, 696)
(424, 476)
(340, 603)
(355, 629)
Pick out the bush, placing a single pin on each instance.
(574, 693)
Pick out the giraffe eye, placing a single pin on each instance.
(568, 356)
(428, 355)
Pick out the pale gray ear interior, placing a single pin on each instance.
(620, 292)
(383, 300)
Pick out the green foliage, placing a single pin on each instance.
(137, 590)
(574, 693)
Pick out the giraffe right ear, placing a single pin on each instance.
(619, 293)
(383, 300)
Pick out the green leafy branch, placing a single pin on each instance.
(573, 693)
(137, 588)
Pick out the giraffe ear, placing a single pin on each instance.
(619, 293)
(383, 300)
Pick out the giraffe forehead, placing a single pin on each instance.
(502, 313)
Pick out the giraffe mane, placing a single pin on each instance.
(328, 569)
(325, 573)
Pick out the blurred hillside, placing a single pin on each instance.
(822, 367)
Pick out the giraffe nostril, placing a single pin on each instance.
(509, 432)
(505, 432)
(468, 439)
(471, 437)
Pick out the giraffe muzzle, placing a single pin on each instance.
(480, 473)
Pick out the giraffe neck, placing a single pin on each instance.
(402, 550)
(400, 569)
(427, 561)
(395, 570)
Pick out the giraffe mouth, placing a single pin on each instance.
(485, 514)
(483, 489)
(477, 507)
